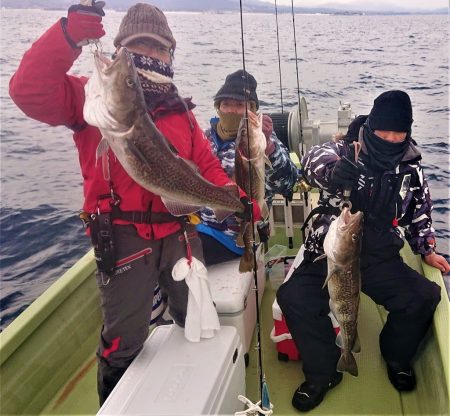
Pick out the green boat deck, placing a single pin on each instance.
(48, 363)
(368, 394)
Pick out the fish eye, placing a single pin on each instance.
(129, 81)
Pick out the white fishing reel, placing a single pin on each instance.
(299, 133)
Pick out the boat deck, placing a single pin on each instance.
(369, 394)
(47, 348)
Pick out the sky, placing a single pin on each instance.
(429, 4)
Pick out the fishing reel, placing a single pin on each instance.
(299, 133)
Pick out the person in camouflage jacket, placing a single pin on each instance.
(218, 238)
(388, 185)
(411, 211)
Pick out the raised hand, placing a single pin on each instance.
(84, 23)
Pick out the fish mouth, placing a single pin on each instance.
(350, 218)
(104, 64)
(124, 54)
(102, 61)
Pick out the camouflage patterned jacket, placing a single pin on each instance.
(280, 179)
(391, 199)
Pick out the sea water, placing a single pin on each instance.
(340, 59)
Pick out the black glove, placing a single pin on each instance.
(247, 214)
(96, 7)
(345, 172)
(263, 231)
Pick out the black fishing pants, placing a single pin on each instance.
(127, 297)
(409, 297)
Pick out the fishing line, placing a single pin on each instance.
(305, 194)
(298, 81)
(279, 58)
(262, 387)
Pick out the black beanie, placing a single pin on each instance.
(234, 87)
(391, 111)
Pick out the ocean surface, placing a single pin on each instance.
(340, 59)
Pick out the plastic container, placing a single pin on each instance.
(275, 265)
(235, 298)
(174, 377)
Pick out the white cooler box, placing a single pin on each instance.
(172, 376)
(235, 297)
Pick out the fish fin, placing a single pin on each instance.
(264, 211)
(348, 364)
(246, 262)
(137, 152)
(192, 165)
(240, 236)
(105, 167)
(233, 189)
(260, 119)
(267, 162)
(340, 340)
(330, 274)
(332, 313)
(321, 257)
(261, 174)
(356, 344)
(102, 148)
(175, 151)
(221, 214)
(178, 208)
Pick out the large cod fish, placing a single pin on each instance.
(250, 160)
(342, 246)
(115, 104)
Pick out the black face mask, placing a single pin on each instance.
(383, 155)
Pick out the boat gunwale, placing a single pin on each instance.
(14, 335)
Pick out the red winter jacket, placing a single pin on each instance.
(42, 89)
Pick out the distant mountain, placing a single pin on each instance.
(378, 7)
(224, 5)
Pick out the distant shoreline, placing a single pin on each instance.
(302, 12)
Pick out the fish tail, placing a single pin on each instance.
(356, 344)
(246, 263)
(347, 363)
(240, 240)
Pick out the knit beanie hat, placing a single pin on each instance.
(391, 111)
(144, 20)
(234, 88)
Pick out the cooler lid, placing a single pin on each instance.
(229, 288)
(172, 376)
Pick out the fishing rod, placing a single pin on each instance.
(265, 405)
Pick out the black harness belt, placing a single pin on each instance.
(144, 217)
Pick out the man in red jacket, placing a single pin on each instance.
(136, 240)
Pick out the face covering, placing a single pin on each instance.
(228, 125)
(155, 77)
(383, 155)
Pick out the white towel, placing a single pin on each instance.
(201, 316)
